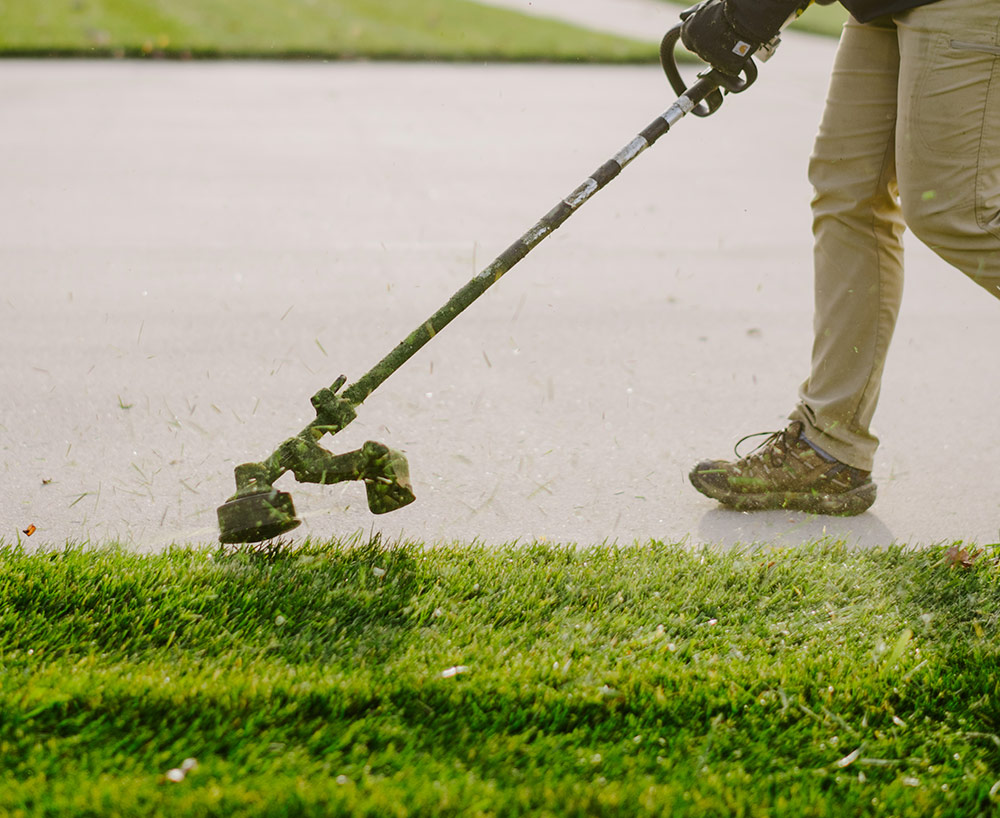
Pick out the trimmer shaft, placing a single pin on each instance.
(258, 511)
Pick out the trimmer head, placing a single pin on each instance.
(258, 511)
(255, 517)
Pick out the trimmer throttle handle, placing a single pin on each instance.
(712, 102)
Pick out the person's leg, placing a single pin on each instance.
(922, 89)
(948, 136)
(858, 286)
(858, 256)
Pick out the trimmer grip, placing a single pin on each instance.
(713, 101)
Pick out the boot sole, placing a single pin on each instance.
(842, 504)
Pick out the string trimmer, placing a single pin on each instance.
(258, 511)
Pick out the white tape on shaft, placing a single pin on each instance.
(631, 150)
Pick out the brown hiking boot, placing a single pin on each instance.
(786, 472)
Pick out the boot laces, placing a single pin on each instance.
(773, 441)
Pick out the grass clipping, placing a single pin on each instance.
(368, 679)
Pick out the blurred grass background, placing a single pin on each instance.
(319, 29)
(333, 29)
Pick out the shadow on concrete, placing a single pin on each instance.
(727, 528)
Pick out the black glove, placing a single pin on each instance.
(725, 33)
(711, 33)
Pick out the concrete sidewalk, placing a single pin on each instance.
(189, 251)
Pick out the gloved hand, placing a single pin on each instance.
(710, 32)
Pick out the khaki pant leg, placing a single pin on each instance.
(858, 255)
(948, 137)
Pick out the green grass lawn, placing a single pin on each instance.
(364, 679)
(382, 29)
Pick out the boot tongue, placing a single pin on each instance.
(796, 429)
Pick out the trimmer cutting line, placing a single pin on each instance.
(258, 511)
